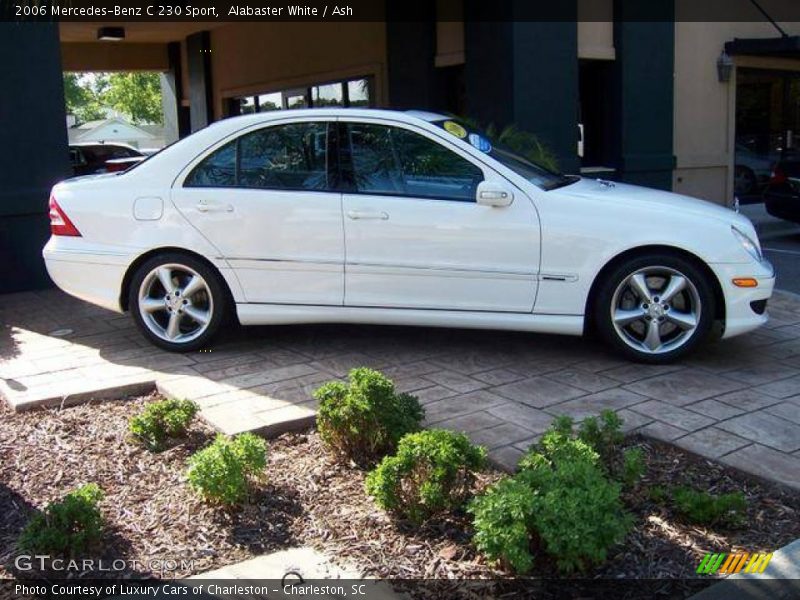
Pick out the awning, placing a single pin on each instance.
(783, 47)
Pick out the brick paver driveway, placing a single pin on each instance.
(737, 401)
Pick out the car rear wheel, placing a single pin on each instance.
(655, 308)
(177, 301)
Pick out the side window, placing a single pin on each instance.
(390, 160)
(286, 157)
(216, 170)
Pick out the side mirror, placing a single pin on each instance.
(493, 193)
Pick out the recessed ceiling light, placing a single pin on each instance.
(111, 34)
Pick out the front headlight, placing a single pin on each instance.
(751, 246)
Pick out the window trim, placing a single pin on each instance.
(236, 137)
(347, 173)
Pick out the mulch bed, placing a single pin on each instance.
(308, 499)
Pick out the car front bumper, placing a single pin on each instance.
(743, 305)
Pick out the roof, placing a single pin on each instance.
(85, 130)
(784, 47)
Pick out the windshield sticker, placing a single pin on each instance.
(480, 142)
(455, 129)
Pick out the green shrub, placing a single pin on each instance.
(707, 509)
(633, 466)
(162, 421)
(433, 471)
(222, 472)
(562, 497)
(363, 420)
(579, 513)
(503, 519)
(658, 494)
(603, 434)
(65, 528)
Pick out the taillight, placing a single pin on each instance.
(777, 177)
(59, 221)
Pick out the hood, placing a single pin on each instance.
(641, 198)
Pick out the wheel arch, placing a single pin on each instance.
(719, 297)
(141, 259)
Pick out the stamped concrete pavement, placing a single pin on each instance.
(736, 401)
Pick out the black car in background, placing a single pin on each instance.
(782, 196)
(90, 158)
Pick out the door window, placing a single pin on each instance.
(284, 157)
(398, 162)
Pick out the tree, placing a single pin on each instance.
(137, 95)
(81, 98)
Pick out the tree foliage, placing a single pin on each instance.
(137, 95)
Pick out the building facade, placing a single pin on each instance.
(701, 108)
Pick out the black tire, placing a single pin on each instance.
(631, 340)
(744, 181)
(214, 298)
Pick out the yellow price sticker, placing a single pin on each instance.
(455, 129)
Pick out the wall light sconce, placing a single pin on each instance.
(724, 67)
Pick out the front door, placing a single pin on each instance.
(415, 236)
(265, 200)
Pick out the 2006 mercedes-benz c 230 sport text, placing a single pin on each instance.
(404, 218)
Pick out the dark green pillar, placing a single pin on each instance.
(645, 93)
(524, 73)
(410, 54)
(198, 63)
(34, 152)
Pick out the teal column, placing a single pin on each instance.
(34, 153)
(524, 73)
(645, 93)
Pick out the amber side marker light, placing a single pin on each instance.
(745, 282)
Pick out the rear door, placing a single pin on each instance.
(414, 233)
(266, 201)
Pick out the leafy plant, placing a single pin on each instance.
(364, 419)
(657, 493)
(222, 472)
(579, 513)
(561, 497)
(633, 466)
(603, 434)
(67, 527)
(524, 143)
(433, 471)
(162, 421)
(707, 509)
(504, 519)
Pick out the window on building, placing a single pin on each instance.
(390, 160)
(284, 157)
(347, 93)
(327, 95)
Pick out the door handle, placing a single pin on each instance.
(205, 207)
(367, 214)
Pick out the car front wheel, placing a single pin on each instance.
(177, 301)
(655, 308)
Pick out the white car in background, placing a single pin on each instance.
(403, 218)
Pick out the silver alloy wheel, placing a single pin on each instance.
(175, 303)
(656, 310)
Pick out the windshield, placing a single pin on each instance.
(536, 174)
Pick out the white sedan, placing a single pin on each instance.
(371, 216)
